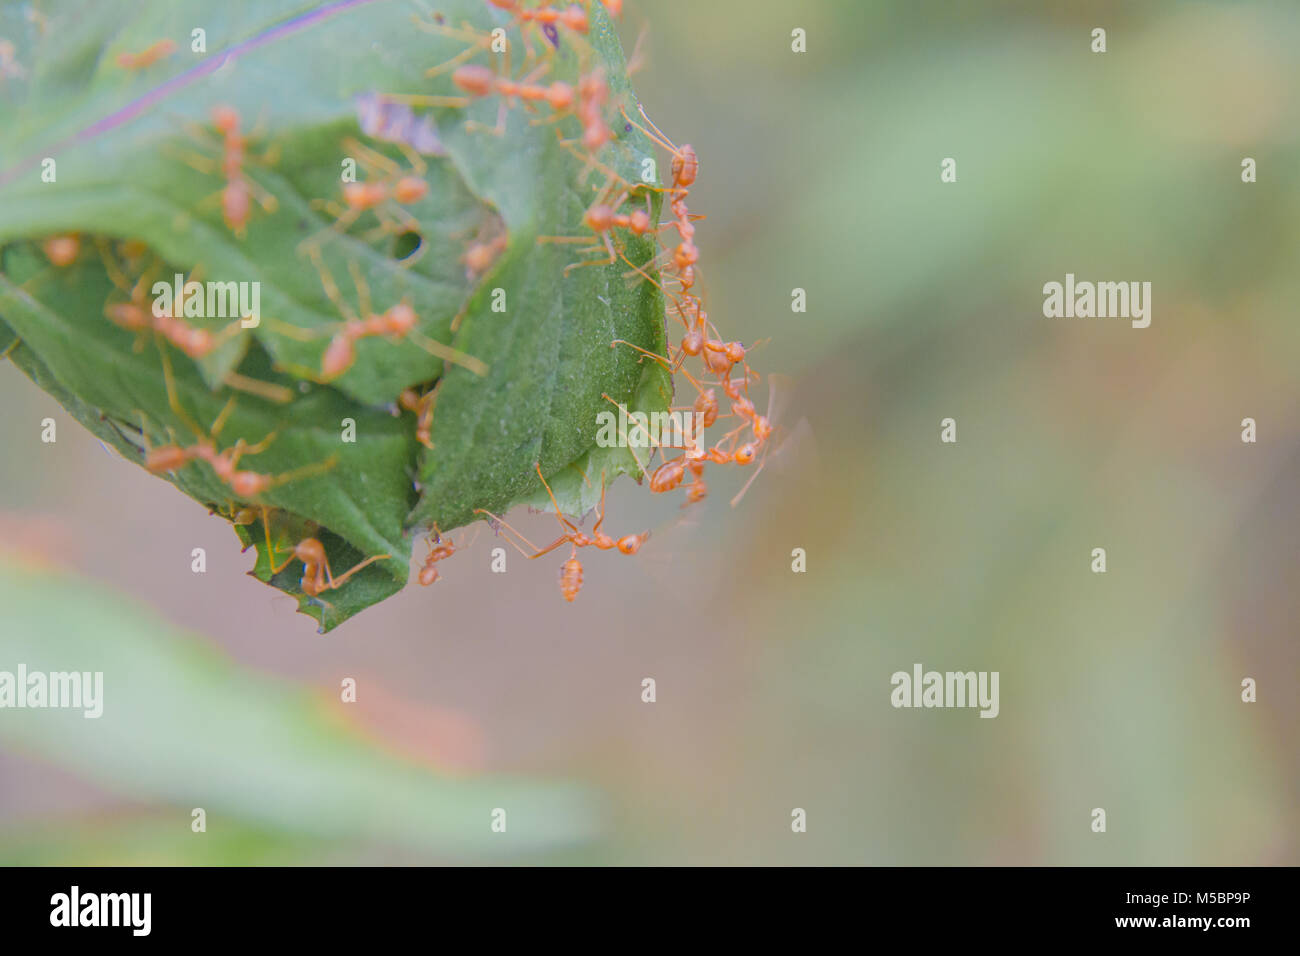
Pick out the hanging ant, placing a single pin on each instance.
(438, 551)
(571, 571)
(316, 574)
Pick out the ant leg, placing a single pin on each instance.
(627, 444)
(595, 529)
(502, 523)
(362, 286)
(447, 353)
(266, 200)
(331, 289)
(672, 367)
(299, 473)
(371, 159)
(416, 161)
(563, 520)
(479, 41)
(741, 493)
(271, 549)
(657, 136)
(279, 394)
(676, 300)
(338, 582)
(173, 400)
(424, 99)
(219, 422)
(295, 332)
(609, 261)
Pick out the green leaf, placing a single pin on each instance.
(138, 178)
(183, 726)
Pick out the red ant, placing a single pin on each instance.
(397, 323)
(573, 17)
(316, 575)
(240, 191)
(139, 315)
(384, 196)
(147, 57)
(601, 218)
(224, 464)
(422, 406)
(62, 251)
(479, 81)
(437, 552)
(571, 571)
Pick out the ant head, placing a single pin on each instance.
(196, 343)
(165, 458)
(401, 318)
(479, 257)
(410, 189)
(575, 18)
(592, 86)
(599, 217)
(735, 352)
(475, 79)
(631, 543)
(686, 254)
(225, 119)
(248, 484)
(559, 96)
(596, 135)
(62, 250)
(746, 453)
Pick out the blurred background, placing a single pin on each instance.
(818, 171)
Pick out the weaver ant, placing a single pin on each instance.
(438, 551)
(571, 570)
(147, 57)
(225, 463)
(397, 323)
(240, 191)
(384, 196)
(139, 315)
